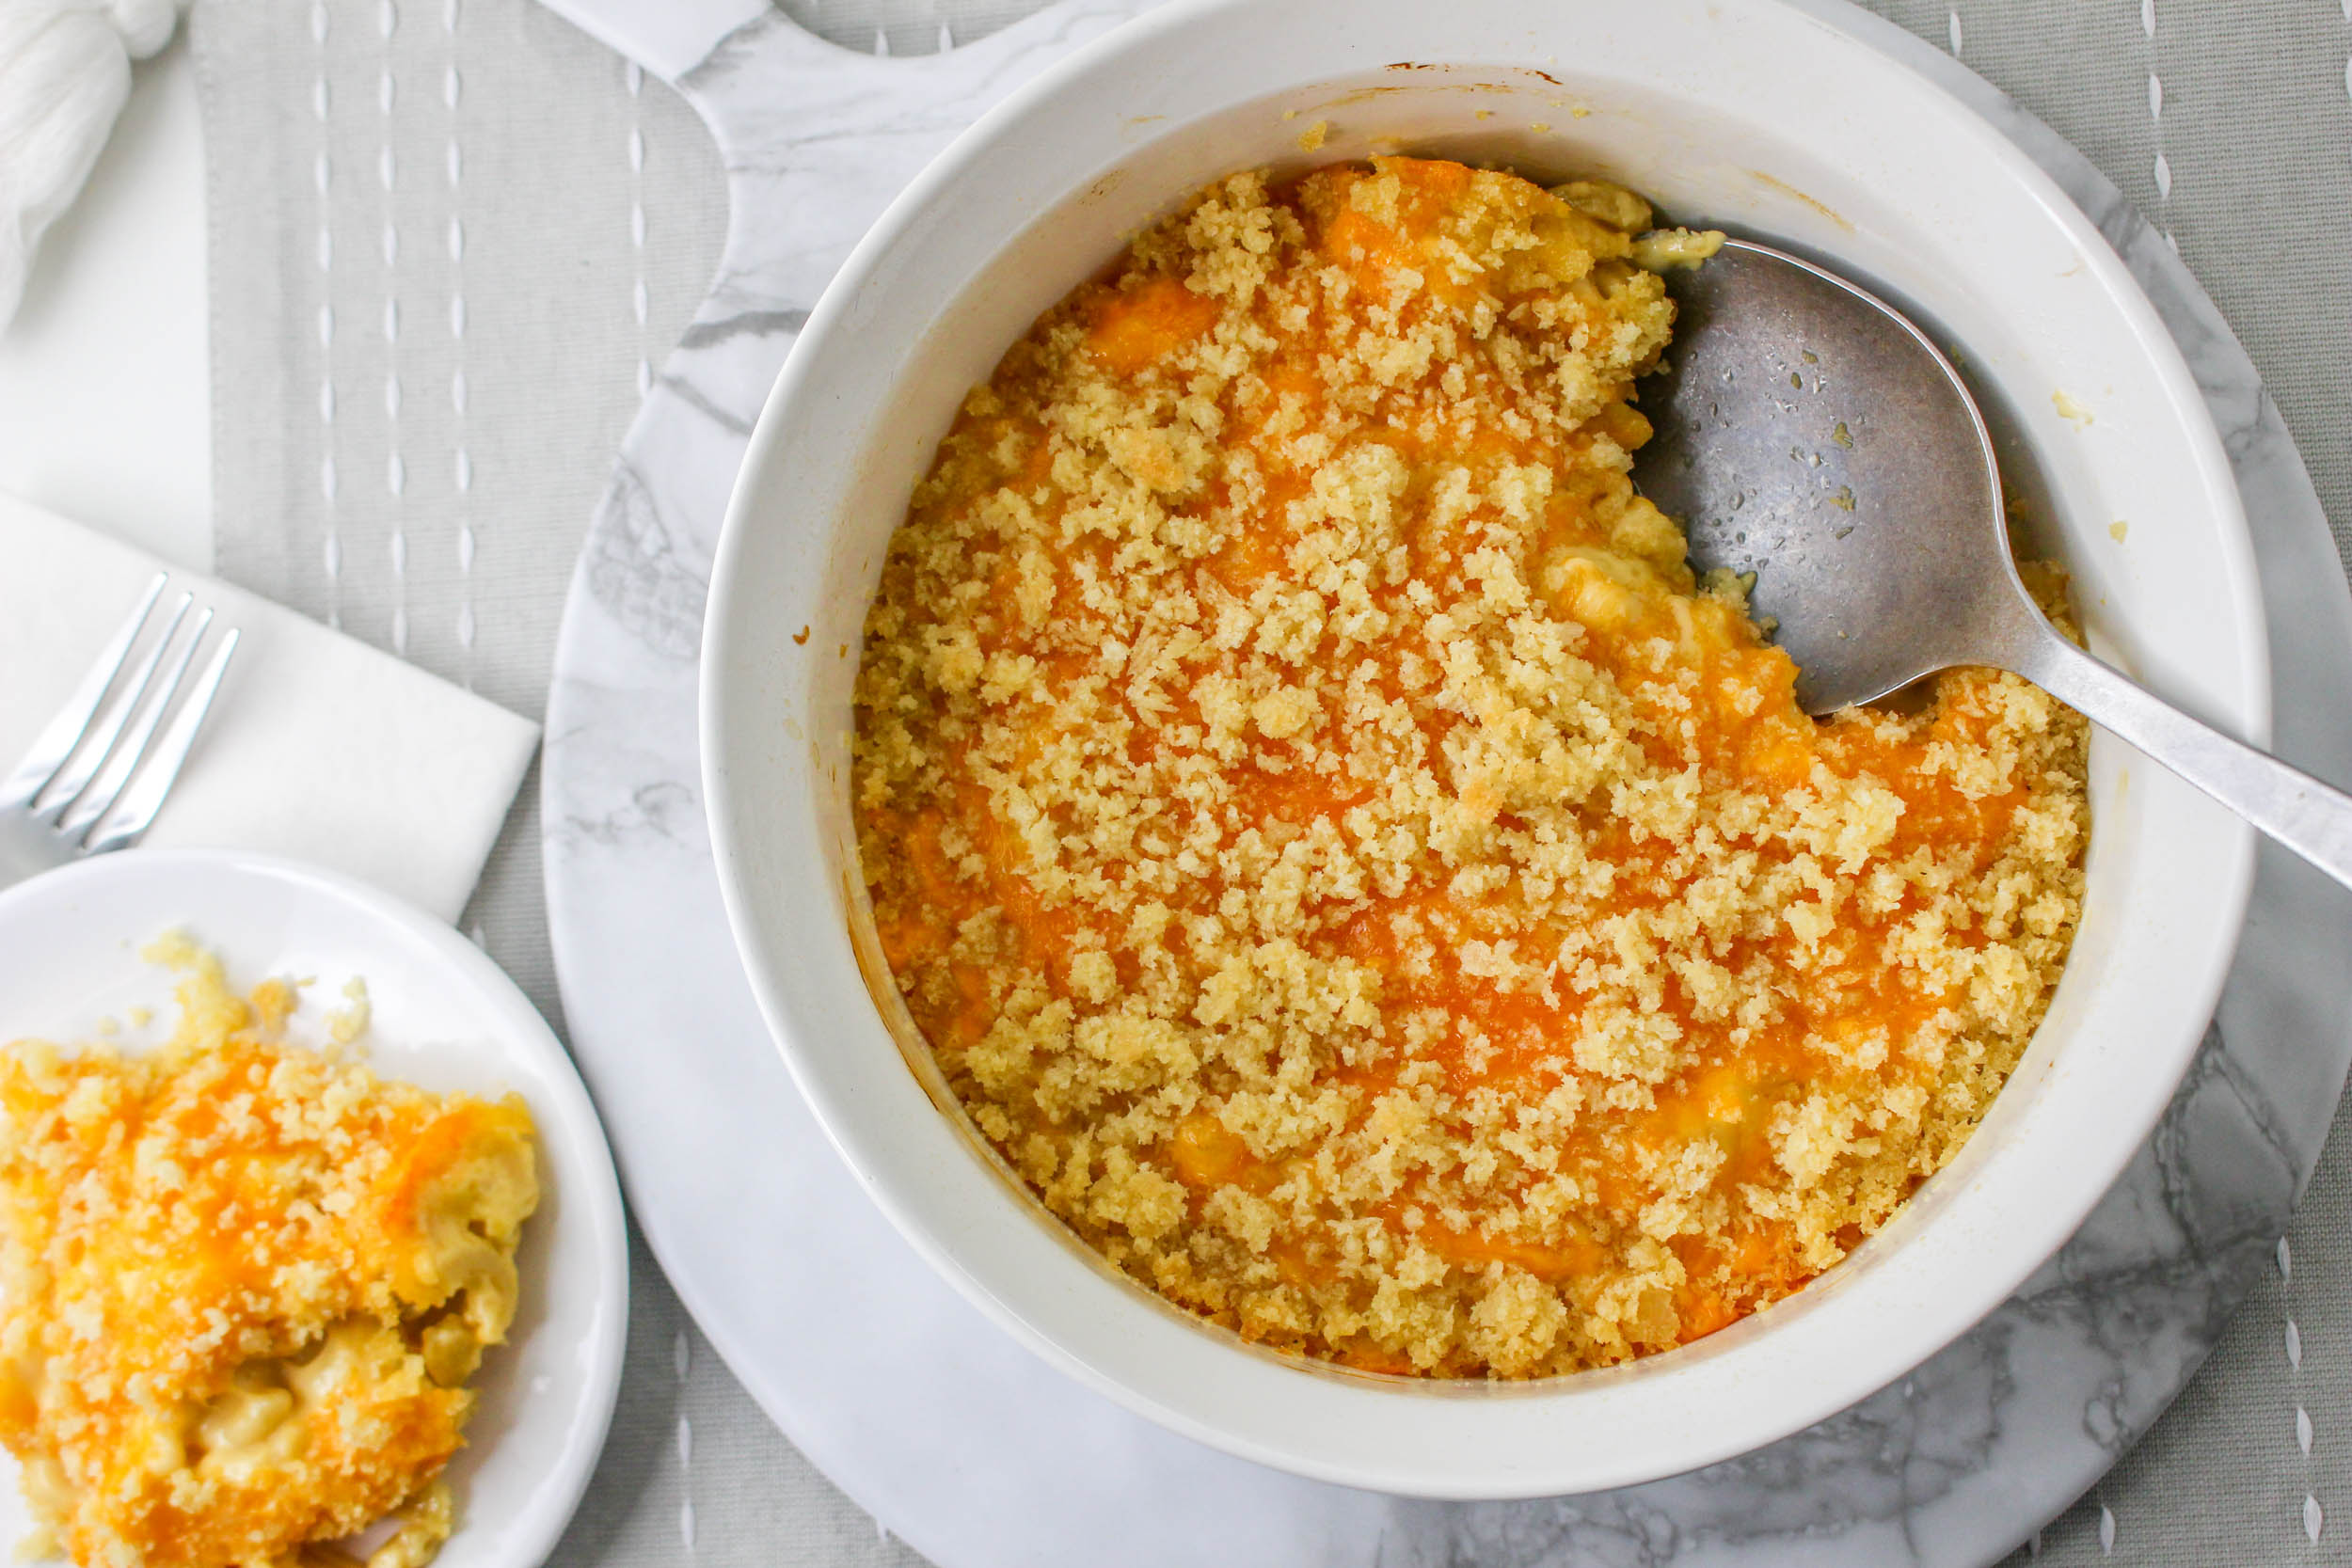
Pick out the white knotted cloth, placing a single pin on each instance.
(65, 71)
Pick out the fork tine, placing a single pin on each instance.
(136, 811)
(56, 742)
(96, 746)
(99, 794)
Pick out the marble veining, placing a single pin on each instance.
(888, 1380)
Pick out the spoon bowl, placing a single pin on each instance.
(1813, 440)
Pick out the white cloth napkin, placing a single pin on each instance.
(318, 747)
(64, 70)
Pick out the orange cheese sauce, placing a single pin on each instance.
(1351, 869)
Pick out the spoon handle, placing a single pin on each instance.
(2289, 805)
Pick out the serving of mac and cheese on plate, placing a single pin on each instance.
(247, 1284)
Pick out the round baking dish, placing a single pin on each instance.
(1749, 114)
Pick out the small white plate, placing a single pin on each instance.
(446, 1018)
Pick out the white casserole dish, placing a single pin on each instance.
(1747, 113)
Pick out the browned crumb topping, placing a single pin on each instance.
(1348, 866)
(245, 1284)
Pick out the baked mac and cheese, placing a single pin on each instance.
(246, 1285)
(1348, 866)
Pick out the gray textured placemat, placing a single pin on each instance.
(552, 223)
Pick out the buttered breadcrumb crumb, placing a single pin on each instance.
(1348, 866)
(245, 1284)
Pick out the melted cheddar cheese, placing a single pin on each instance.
(1346, 863)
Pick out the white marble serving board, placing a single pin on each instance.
(961, 1442)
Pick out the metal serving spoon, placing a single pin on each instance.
(1873, 519)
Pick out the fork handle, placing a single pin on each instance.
(2309, 817)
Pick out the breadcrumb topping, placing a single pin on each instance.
(1346, 863)
(245, 1284)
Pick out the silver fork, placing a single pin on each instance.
(82, 790)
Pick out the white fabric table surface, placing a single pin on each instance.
(104, 410)
(511, 230)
